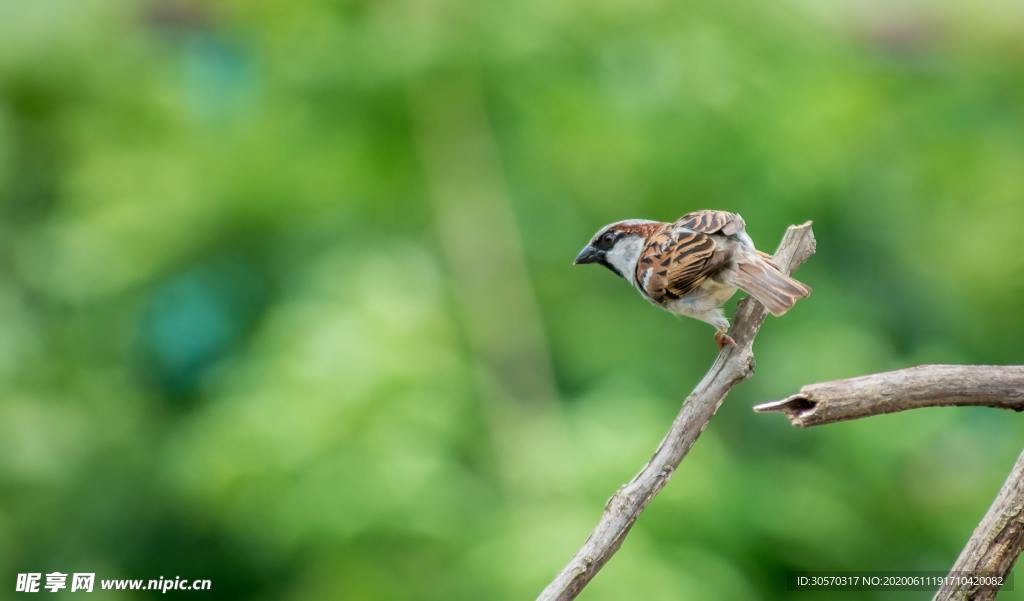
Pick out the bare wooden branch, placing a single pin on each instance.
(733, 365)
(997, 541)
(994, 546)
(1000, 386)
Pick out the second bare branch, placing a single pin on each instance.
(1000, 386)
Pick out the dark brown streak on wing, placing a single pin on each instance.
(710, 221)
(680, 259)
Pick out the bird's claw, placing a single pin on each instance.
(724, 340)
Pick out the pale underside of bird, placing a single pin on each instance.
(694, 265)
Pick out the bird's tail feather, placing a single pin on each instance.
(760, 278)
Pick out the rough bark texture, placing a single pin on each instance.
(996, 542)
(1000, 386)
(733, 365)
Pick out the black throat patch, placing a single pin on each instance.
(612, 268)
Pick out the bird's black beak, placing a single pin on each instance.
(589, 254)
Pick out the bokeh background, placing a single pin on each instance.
(286, 298)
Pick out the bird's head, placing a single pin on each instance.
(618, 245)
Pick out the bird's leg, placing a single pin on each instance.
(723, 339)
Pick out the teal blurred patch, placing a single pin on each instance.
(196, 318)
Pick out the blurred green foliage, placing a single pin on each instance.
(286, 298)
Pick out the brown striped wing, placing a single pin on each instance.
(676, 261)
(710, 221)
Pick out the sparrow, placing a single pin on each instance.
(693, 266)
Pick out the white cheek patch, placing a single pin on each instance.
(624, 255)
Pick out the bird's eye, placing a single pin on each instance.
(606, 240)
